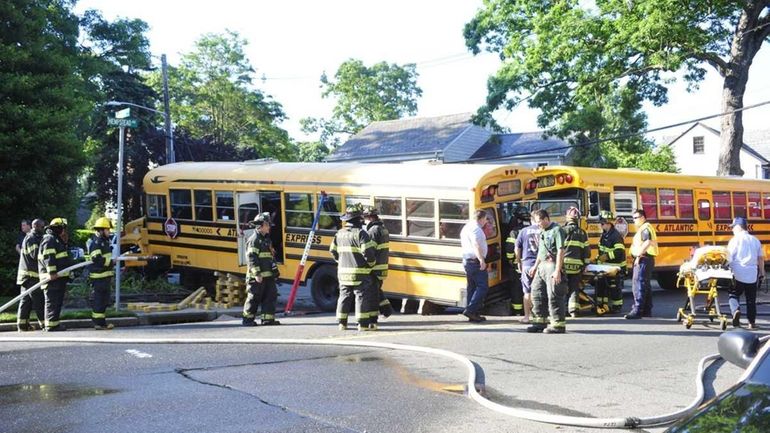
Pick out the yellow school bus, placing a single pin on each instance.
(686, 211)
(197, 214)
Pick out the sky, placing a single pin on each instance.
(292, 42)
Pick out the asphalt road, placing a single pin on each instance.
(603, 367)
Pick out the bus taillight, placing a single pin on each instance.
(560, 179)
(568, 178)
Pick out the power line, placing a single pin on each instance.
(632, 134)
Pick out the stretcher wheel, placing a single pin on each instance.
(679, 316)
(688, 322)
(711, 319)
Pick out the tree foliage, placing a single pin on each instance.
(41, 106)
(215, 101)
(365, 95)
(566, 57)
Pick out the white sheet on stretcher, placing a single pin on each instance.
(706, 274)
(596, 269)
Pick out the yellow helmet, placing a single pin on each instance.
(102, 223)
(58, 222)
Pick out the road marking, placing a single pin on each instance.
(138, 354)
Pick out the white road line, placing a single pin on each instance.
(138, 354)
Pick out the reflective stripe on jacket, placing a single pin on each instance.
(259, 252)
(381, 238)
(611, 245)
(355, 254)
(52, 257)
(577, 253)
(100, 254)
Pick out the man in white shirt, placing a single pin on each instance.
(747, 263)
(473, 242)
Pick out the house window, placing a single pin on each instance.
(697, 146)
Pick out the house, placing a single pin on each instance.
(451, 139)
(697, 152)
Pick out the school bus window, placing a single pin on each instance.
(353, 199)
(390, 214)
(684, 198)
(330, 214)
(225, 207)
(755, 209)
(156, 206)
(667, 202)
(299, 210)
(704, 210)
(490, 225)
(203, 206)
(420, 218)
(181, 204)
(649, 202)
(509, 187)
(766, 205)
(721, 205)
(452, 216)
(739, 204)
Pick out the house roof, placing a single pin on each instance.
(521, 144)
(746, 147)
(426, 135)
(759, 140)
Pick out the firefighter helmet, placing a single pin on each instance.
(102, 223)
(260, 219)
(58, 222)
(370, 211)
(606, 216)
(352, 212)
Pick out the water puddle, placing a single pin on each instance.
(56, 393)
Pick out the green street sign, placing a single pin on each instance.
(123, 114)
(127, 123)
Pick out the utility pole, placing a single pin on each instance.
(170, 157)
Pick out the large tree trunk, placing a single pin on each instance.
(747, 40)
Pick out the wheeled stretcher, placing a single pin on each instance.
(591, 275)
(704, 274)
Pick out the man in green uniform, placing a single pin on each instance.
(261, 274)
(549, 287)
(101, 271)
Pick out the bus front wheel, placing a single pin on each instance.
(324, 288)
(667, 280)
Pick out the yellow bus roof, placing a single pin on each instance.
(406, 174)
(612, 177)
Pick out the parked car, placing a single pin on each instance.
(744, 407)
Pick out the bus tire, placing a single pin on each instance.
(667, 280)
(325, 288)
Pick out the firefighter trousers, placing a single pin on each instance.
(609, 291)
(548, 298)
(54, 300)
(517, 294)
(33, 301)
(384, 304)
(101, 292)
(264, 294)
(574, 281)
(366, 300)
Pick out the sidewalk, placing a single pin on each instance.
(302, 305)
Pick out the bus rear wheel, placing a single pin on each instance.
(667, 280)
(325, 288)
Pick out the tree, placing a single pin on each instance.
(364, 95)
(41, 106)
(213, 98)
(568, 54)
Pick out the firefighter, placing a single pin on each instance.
(53, 258)
(101, 271)
(381, 238)
(517, 295)
(355, 255)
(261, 274)
(28, 276)
(612, 251)
(576, 257)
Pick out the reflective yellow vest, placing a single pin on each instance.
(636, 245)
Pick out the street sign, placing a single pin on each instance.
(171, 228)
(128, 123)
(123, 114)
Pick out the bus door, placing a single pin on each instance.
(271, 202)
(247, 205)
(704, 216)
